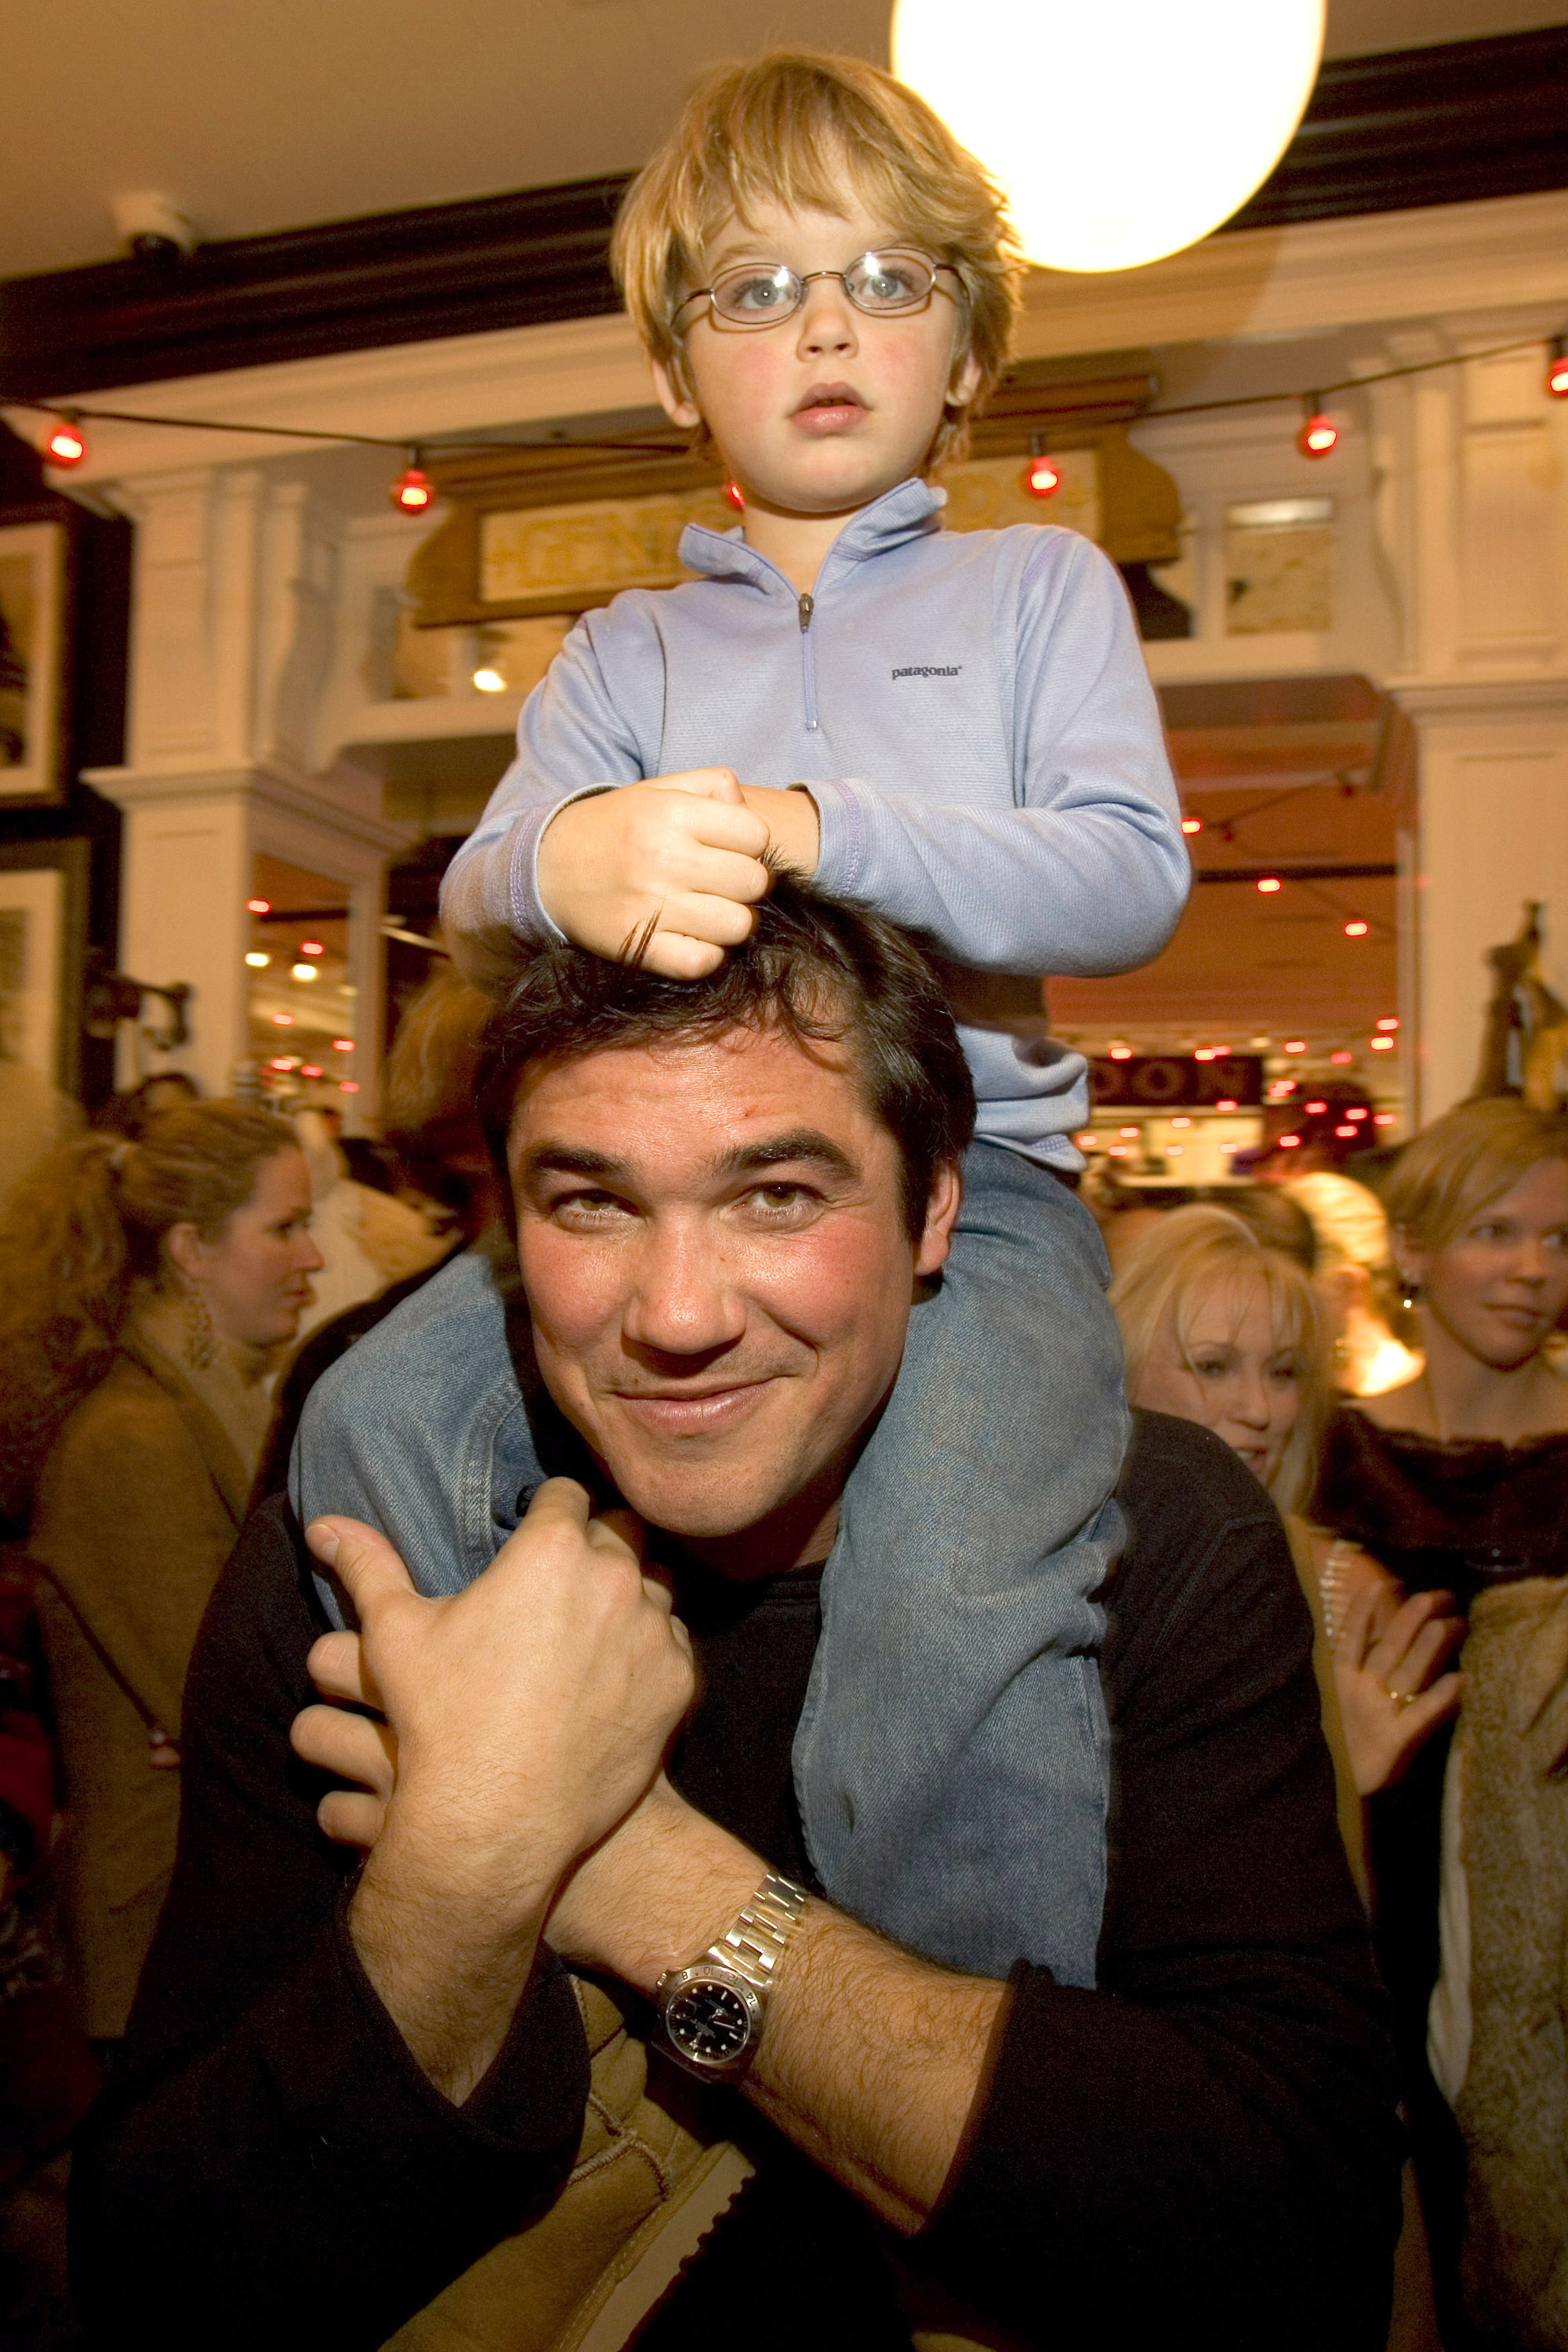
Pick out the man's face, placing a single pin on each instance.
(712, 1240)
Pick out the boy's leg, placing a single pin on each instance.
(953, 1760)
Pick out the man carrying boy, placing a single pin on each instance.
(960, 732)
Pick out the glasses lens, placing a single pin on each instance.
(755, 297)
(889, 281)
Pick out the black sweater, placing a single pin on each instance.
(1203, 2150)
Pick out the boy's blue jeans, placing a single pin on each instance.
(951, 1761)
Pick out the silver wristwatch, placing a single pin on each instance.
(711, 2012)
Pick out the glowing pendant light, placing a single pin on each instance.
(1120, 133)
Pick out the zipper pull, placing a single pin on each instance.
(807, 605)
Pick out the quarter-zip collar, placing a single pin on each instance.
(911, 510)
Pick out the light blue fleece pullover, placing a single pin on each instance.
(974, 719)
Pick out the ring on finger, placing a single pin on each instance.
(1402, 1699)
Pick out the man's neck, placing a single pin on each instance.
(800, 1535)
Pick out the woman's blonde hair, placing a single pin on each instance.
(1463, 1160)
(1171, 1271)
(83, 1226)
(805, 130)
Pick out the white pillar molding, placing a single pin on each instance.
(236, 583)
(1493, 832)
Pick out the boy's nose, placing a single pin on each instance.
(827, 318)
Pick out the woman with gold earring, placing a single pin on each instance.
(146, 1291)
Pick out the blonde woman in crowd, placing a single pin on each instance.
(1458, 1479)
(1219, 1328)
(146, 1288)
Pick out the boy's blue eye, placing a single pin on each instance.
(774, 289)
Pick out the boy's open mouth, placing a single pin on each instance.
(829, 405)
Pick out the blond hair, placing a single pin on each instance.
(1461, 1161)
(1173, 1269)
(79, 1230)
(805, 130)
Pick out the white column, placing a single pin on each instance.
(1493, 835)
(231, 641)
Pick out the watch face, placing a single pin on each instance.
(709, 2021)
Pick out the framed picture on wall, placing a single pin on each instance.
(35, 581)
(43, 942)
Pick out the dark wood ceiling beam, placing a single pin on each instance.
(1442, 125)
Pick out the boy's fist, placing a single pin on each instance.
(664, 874)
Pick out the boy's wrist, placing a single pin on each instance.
(794, 829)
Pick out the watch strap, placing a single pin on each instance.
(754, 1942)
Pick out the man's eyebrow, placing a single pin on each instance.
(806, 1143)
(565, 1160)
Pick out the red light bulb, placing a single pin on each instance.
(1557, 372)
(1270, 884)
(412, 492)
(1357, 931)
(1191, 825)
(1042, 480)
(66, 445)
(1318, 435)
(735, 496)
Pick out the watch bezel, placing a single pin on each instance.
(708, 1972)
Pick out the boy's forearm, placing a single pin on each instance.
(794, 829)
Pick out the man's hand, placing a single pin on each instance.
(664, 874)
(530, 1713)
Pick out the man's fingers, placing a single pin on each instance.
(361, 1557)
(349, 1818)
(618, 1530)
(336, 1665)
(349, 1747)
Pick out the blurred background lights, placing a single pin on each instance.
(1357, 931)
(1270, 884)
(1041, 478)
(1340, 1058)
(258, 906)
(1289, 1142)
(1225, 1105)
(1295, 1045)
(283, 1020)
(1318, 434)
(1122, 1052)
(1346, 1133)
(309, 1069)
(1385, 1118)
(1191, 825)
(348, 1085)
(311, 947)
(1380, 1045)
(1181, 1119)
(489, 681)
(257, 959)
(1165, 117)
(1557, 370)
(304, 971)
(66, 445)
(342, 1045)
(1389, 1021)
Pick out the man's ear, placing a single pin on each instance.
(942, 1215)
(673, 397)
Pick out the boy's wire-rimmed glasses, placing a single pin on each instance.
(764, 294)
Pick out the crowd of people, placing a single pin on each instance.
(741, 1738)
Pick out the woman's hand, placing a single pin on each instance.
(1392, 1693)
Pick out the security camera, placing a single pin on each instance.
(153, 226)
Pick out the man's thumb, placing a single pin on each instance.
(360, 1560)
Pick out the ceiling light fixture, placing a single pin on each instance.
(1106, 188)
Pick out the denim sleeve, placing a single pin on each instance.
(574, 737)
(1088, 872)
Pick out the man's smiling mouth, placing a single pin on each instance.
(694, 1412)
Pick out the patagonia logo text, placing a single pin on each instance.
(924, 670)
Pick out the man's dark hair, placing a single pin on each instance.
(820, 969)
